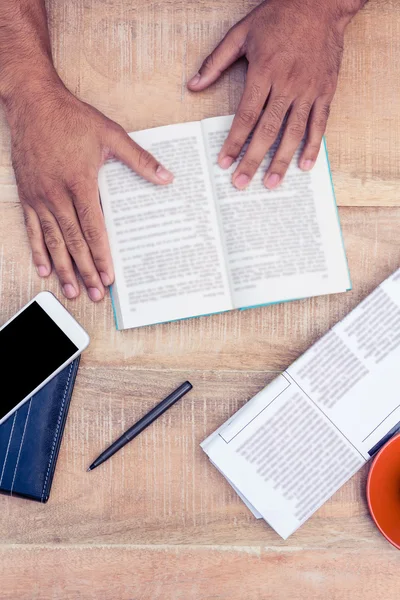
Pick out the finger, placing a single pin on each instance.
(40, 256)
(58, 251)
(316, 129)
(226, 53)
(67, 219)
(255, 93)
(264, 136)
(90, 215)
(293, 135)
(138, 159)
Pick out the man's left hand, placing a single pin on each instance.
(294, 51)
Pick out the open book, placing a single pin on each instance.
(200, 246)
(301, 438)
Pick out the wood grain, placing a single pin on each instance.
(258, 339)
(193, 573)
(158, 521)
(131, 60)
(161, 488)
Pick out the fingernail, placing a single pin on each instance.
(226, 162)
(42, 271)
(241, 181)
(272, 181)
(163, 173)
(94, 294)
(106, 280)
(69, 291)
(195, 79)
(307, 165)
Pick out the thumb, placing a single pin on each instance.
(138, 159)
(225, 54)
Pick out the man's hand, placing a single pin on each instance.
(58, 146)
(294, 51)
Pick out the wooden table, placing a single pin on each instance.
(158, 521)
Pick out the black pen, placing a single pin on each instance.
(142, 424)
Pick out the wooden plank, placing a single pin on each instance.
(161, 489)
(131, 60)
(195, 573)
(268, 338)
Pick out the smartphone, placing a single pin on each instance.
(35, 345)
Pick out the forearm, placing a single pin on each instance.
(25, 52)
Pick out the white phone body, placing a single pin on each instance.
(68, 325)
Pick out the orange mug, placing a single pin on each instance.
(383, 491)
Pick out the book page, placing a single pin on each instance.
(283, 454)
(165, 240)
(351, 373)
(282, 244)
(243, 498)
(296, 442)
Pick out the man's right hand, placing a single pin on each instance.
(58, 146)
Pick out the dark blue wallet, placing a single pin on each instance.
(30, 439)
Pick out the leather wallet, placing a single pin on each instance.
(30, 439)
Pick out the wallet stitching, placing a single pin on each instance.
(56, 433)
(8, 448)
(20, 447)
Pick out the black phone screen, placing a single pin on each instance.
(32, 347)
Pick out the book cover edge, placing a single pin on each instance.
(337, 214)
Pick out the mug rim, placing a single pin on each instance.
(370, 474)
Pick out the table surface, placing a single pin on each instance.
(158, 521)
